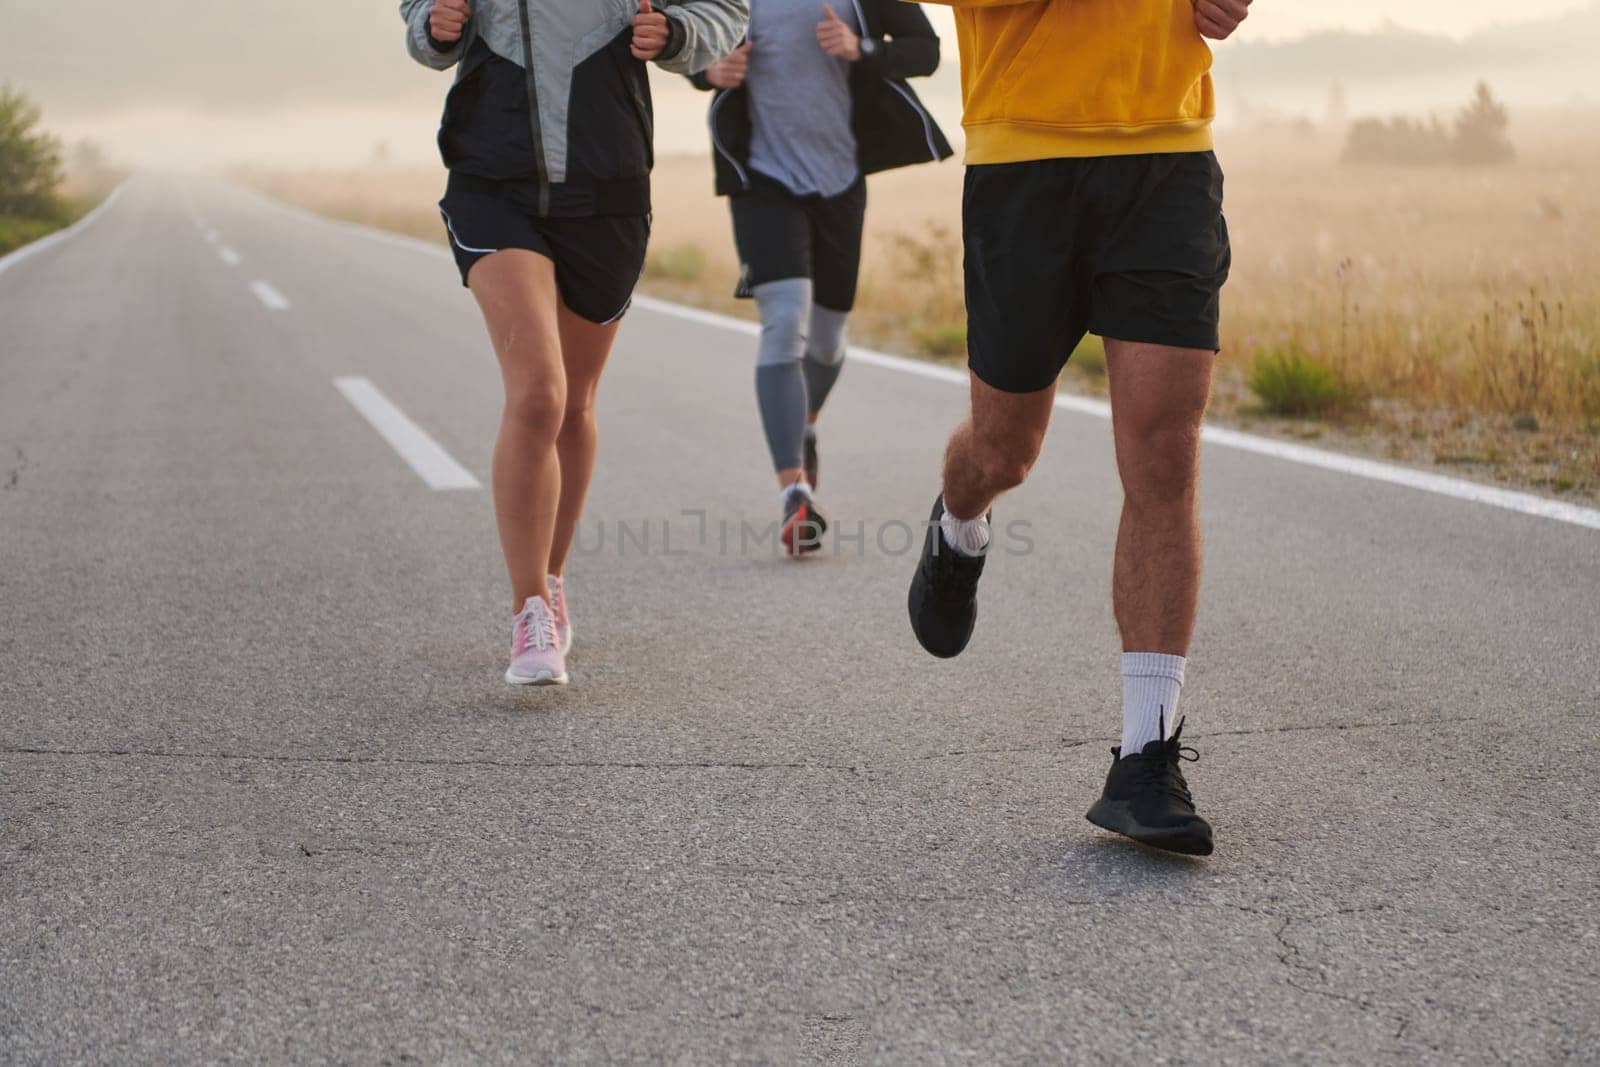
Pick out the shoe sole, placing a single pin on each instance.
(914, 604)
(542, 678)
(1114, 816)
(790, 538)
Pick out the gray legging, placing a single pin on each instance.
(801, 354)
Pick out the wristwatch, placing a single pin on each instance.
(869, 47)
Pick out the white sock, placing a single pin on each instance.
(970, 537)
(1150, 685)
(800, 486)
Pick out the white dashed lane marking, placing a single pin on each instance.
(421, 452)
(269, 296)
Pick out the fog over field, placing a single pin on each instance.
(293, 82)
(1449, 296)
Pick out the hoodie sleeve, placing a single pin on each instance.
(420, 43)
(700, 32)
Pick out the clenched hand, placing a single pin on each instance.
(448, 20)
(730, 71)
(1217, 19)
(836, 37)
(649, 32)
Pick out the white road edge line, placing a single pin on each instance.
(1373, 470)
(228, 256)
(1304, 455)
(269, 296)
(35, 247)
(424, 455)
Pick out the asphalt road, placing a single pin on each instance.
(265, 797)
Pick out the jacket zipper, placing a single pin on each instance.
(922, 115)
(927, 126)
(861, 17)
(716, 142)
(540, 172)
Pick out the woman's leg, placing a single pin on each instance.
(584, 348)
(517, 291)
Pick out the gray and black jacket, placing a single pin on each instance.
(892, 127)
(547, 91)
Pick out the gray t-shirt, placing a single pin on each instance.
(800, 99)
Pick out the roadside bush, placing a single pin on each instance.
(30, 161)
(15, 232)
(1516, 355)
(946, 339)
(679, 263)
(926, 267)
(1089, 358)
(1289, 382)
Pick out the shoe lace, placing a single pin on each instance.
(538, 627)
(1163, 771)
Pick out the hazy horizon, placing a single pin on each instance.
(233, 86)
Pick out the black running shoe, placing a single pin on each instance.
(803, 525)
(944, 593)
(808, 460)
(1147, 799)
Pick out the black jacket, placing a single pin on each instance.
(892, 127)
(548, 92)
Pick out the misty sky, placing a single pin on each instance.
(1288, 18)
(202, 81)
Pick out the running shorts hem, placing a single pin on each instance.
(598, 259)
(781, 235)
(1133, 248)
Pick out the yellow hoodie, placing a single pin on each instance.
(1045, 79)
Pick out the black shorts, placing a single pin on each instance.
(1128, 247)
(780, 235)
(598, 258)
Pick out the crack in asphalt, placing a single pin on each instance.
(1290, 956)
(743, 765)
(733, 765)
(1063, 743)
(15, 474)
(1079, 742)
(1386, 724)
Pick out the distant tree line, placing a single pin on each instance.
(1477, 137)
(30, 161)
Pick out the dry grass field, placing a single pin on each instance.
(1450, 316)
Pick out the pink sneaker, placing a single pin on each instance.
(536, 656)
(558, 608)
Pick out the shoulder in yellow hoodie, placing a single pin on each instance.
(1049, 79)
